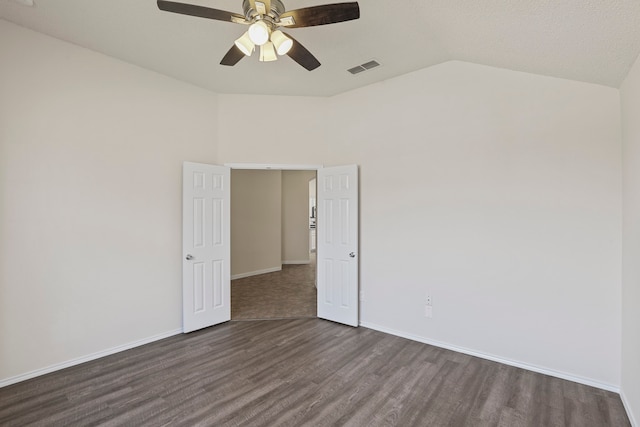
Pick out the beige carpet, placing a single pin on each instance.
(289, 293)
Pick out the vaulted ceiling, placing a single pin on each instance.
(593, 41)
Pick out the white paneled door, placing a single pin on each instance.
(206, 247)
(337, 244)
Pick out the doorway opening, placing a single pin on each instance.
(206, 243)
(273, 259)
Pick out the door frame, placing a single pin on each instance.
(272, 166)
(301, 167)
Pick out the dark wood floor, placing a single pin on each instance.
(289, 293)
(301, 372)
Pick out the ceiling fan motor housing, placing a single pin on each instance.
(277, 9)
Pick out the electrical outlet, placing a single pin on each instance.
(428, 311)
(429, 302)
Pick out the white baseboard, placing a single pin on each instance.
(58, 366)
(296, 262)
(627, 408)
(538, 369)
(255, 273)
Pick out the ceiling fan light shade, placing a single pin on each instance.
(267, 52)
(245, 44)
(282, 43)
(259, 33)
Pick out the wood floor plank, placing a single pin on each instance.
(288, 293)
(301, 372)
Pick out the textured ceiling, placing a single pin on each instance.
(593, 41)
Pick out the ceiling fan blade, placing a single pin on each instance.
(322, 15)
(200, 11)
(233, 56)
(302, 56)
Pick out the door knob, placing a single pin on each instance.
(352, 254)
(189, 257)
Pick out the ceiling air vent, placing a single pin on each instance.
(364, 67)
